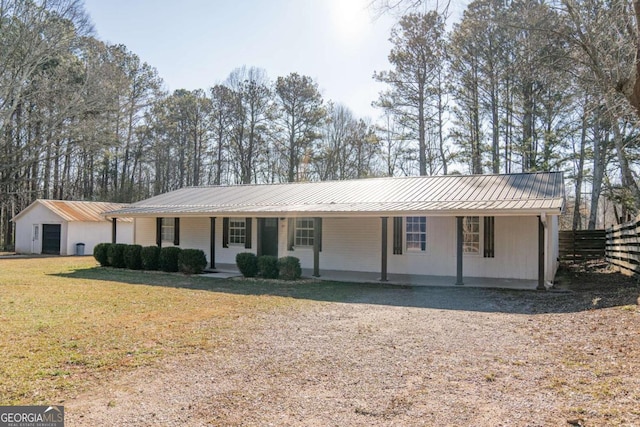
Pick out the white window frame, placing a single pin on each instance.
(468, 234)
(168, 229)
(415, 226)
(237, 231)
(304, 235)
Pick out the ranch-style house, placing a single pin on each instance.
(459, 229)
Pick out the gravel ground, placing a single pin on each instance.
(400, 356)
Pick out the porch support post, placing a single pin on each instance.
(316, 247)
(159, 232)
(541, 286)
(384, 250)
(459, 247)
(114, 230)
(212, 242)
(260, 224)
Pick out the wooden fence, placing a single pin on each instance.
(581, 245)
(623, 247)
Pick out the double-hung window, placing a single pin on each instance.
(168, 229)
(416, 233)
(473, 229)
(304, 232)
(471, 234)
(237, 231)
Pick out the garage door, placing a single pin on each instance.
(51, 239)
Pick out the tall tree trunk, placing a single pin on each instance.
(528, 154)
(599, 162)
(291, 172)
(219, 158)
(577, 216)
(631, 89)
(476, 149)
(508, 126)
(441, 146)
(628, 181)
(422, 146)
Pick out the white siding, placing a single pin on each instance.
(89, 233)
(195, 234)
(37, 215)
(439, 259)
(347, 244)
(516, 251)
(124, 233)
(145, 231)
(353, 244)
(228, 255)
(516, 241)
(92, 233)
(282, 239)
(553, 249)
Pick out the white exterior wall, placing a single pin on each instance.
(144, 231)
(439, 259)
(89, 233)
(516, 251)
(553, 248)
(228, 255)
(195, 233)
(353, 244)
(37, 215)
(92, 233)
(124, 232)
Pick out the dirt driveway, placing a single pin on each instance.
(399, 356)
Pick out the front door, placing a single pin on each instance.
(51, 239)
(268, 232)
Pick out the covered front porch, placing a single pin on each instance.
(225, 271)
(501, 251)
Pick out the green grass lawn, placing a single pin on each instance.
(65, 323)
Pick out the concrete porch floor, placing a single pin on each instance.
(225, 271)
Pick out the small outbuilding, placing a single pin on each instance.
(62, 227)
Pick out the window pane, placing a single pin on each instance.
(471, 235)
(304, 232)
(167, 229)
(416, 233)
(237, 231)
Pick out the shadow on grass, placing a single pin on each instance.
(443, 298)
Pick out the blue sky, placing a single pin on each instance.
(197, 43)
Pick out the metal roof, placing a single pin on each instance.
(526, 193)
(75, 211)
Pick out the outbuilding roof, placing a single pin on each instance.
(75, 211)
(509, 194)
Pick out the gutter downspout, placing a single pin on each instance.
(541, 252)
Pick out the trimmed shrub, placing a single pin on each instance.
(247, 263)
(100, 253)
(268, 266)
(289, 267)
(150, 257)
(192, 261)
(133, 257)
(115, 255)
(169, 258)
